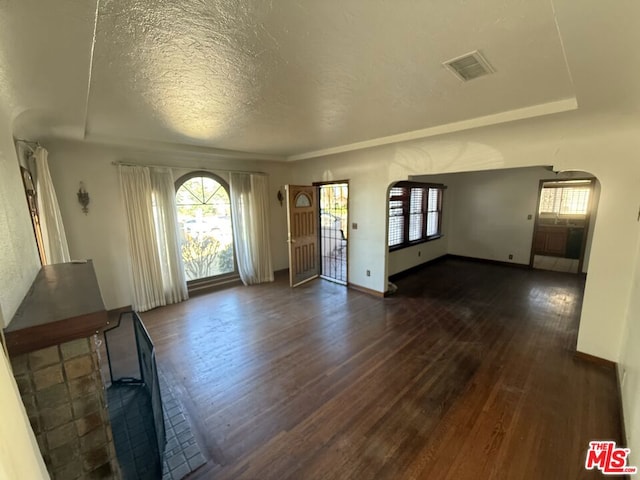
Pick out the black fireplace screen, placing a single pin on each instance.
(135, 404)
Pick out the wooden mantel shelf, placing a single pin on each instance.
(63, 304)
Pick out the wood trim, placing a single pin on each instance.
(117, 311)
(208, 287)
(306, 280)
(332, 182)
(416, 268)
(585, 357)
(55, 333)
(4, 346)
(399, 275)
(608, 364)
(202, 173)
(63, 304)
(413, 184)
(587, 225)
(32, 202)
(623, 428)
(486, 260)
(366, 290)
(405, 198)
(333, 280)
(536, 217)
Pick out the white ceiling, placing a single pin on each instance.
(286, 78)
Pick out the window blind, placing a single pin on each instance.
(416, 214)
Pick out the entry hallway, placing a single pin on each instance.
(467, 372)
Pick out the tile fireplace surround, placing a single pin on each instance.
(52, 345)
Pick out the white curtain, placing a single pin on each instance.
(167, 235)
(54, 240)
(156, 264)
(250, 210)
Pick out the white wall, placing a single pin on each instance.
(406, 258)
(368, 186)
(629, 369)
(605, 147)
(19, 264)
(19, 261)
(490, 212)
(101, 235)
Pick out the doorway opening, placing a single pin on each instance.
(562, 225)
(334, 222)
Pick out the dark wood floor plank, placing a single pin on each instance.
(467, 372)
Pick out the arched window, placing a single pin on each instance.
(204, 217)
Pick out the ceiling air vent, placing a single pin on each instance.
(469, 66)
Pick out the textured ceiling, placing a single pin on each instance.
(289, 77)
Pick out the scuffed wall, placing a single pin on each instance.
(19, 261)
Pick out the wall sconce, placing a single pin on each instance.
(83, 198)
(280, 197)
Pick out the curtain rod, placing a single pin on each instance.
(206, 169)
(28, 143)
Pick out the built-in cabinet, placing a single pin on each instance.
(550, 241)
(558, 241)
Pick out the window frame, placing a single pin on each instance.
(205, 282)
(407, 213)
(559, 199)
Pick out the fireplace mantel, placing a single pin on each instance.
(63, 304)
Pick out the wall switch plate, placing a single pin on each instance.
(529, 217)
(368, 273)
(354, 226)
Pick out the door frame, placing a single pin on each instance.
(31, 196)
(334, 182)
(587, 218)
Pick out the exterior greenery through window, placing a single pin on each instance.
(204, 217)
(415, 213)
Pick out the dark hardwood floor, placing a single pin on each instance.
(468, 372)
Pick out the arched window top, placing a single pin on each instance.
(201, 188)
(302, 200)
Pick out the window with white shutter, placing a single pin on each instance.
(415, 213)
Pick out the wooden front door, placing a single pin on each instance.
(302, 221)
